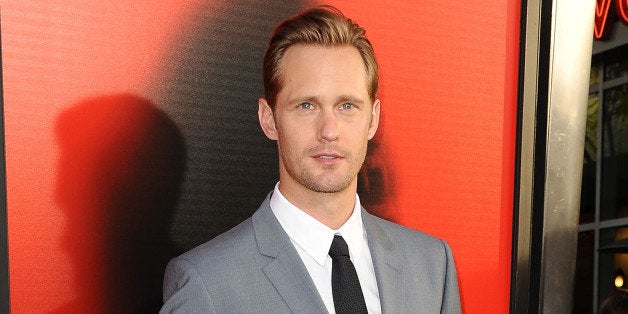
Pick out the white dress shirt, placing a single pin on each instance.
(312, 240)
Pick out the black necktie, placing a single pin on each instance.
(345, 285)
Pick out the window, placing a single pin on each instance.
(604, 196)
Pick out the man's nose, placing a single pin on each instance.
(328, 128)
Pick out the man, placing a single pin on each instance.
(320, 105)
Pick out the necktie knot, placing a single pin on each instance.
(338, 247)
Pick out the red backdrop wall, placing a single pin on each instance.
(96, 79)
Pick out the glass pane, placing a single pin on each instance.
(612, 264)
(587, 194)
(583, 293)
(594, 76)
(616, 68)
(614, 194)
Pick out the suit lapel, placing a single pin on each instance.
(386, 264)
(286, 271)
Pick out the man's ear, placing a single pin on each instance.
(266, 119)
(374, 119)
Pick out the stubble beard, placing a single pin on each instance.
(328, 181)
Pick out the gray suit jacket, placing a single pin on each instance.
(254, 268)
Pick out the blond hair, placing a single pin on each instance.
(320, 26)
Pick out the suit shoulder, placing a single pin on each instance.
(409, 237)
(239, 239)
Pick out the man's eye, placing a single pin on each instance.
(306, 106)
(347, 106)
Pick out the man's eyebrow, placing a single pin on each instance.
(303, 99)
(351, 99)
(299, 100)
(339, 99)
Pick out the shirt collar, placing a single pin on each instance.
(313, 236)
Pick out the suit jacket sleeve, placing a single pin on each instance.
(451, 296)
(184, 291)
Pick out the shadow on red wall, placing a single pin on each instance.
(376, 185)
(121, 166)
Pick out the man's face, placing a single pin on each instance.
(323, 118)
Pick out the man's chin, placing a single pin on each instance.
(320, 186)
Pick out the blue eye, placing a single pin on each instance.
(347, 106)
(306, 106)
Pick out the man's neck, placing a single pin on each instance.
(331, 209)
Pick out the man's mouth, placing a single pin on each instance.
(327, 155)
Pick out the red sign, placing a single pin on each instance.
(601, 14)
